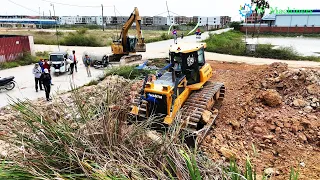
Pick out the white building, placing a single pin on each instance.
(107, 20)
(210, 21)
(170, 20)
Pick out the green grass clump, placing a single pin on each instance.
(232, 43)
(226, 43)
(94, 141)
(128, 72)
(80, 39)
(82, 31)
(25, 59)
(163, 36)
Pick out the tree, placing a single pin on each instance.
(235, 25)
(260, 7)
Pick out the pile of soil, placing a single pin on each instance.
(262, 119)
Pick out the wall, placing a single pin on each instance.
(12, 47)
(307, 30)
(298, 20)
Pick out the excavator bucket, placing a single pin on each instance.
(141, 47)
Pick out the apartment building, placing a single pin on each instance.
(224, 20)
(182, 19)
(159, 20)
(146, 20)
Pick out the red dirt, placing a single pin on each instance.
(282, 136)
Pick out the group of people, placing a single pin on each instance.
(43, 79)
(175, 35)
(74, 62)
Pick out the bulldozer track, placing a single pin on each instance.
(211, 95)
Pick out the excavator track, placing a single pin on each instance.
(130, 58)
(208, 98)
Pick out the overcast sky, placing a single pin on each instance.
(146, 8)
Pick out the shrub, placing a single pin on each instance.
(82, 31)
(226, 43)
(43, 33)
(80, 40)
(129, 72)
(25, 59)
(59, 33)
(235, 25)
(42, 54)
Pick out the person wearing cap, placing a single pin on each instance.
(87, 62)
(46, 80)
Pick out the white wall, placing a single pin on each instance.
(299, 20)
(314, 20)
(172, 20)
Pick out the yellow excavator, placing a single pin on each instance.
(184, 87)
(124, 49)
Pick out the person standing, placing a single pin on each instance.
(37, 76)
(74, 62)
(174, 32)
(46, 79)
(41, 64)
(46, 65)
(87, 62)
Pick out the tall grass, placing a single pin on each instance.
(231, 42)
(93, 141)
(80, 38)
(128, 72)
(25, 59)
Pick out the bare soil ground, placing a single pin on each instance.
(266, 116)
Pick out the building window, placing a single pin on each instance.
(214, 18)
(214, 22)
(200, 18)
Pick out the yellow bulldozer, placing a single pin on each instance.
(125, 47)
(184, 87)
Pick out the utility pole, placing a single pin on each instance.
(168, 13)
(54, 15)
(50, 13)
(102, 18)
(40, 18)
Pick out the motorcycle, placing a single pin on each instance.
(102, 63)
(7, 83)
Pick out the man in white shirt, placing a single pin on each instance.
(74, 62)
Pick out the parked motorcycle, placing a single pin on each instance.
(102, 63)
(7, 83)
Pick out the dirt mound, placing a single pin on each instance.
(260, 118)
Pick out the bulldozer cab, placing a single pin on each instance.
(187, 61)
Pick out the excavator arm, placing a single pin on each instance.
(140, 45)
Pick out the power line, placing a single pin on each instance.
(118, 11)
(24, 7)
(64, 4)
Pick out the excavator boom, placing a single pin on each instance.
(123, 48)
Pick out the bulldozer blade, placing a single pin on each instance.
(141, 48)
